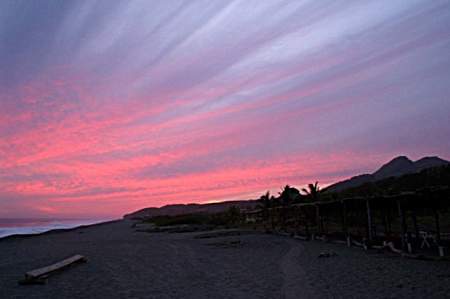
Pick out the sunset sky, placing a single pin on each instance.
(111, 106)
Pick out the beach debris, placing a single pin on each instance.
(303, 238)
(222, 233)
(226, 244)
(142, 226)
(327, 254)
(182, 228)
(39, 276)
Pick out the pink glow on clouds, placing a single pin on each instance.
(121, 108)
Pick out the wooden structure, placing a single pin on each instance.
(40, 275)
(356, 217)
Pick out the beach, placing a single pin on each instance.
(125, 263)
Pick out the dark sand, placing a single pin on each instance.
(128, 264)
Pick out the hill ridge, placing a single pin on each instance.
(398, 166)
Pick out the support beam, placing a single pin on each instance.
(345, 224)
(319, 220)
(306, 228)
(369, 221)
(389, 222)
(385, 223)
(272, 218)
(438, 226)
(401, 213)
(344, 217)
(416, 226)
(441, 251)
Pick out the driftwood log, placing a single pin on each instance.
(39, 276)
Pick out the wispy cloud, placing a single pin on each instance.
(109, 107)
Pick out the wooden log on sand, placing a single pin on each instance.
(40, 275)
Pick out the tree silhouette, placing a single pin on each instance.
(313, 191)
(288, 195)
(266, 204)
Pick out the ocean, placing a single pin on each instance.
(10, 226)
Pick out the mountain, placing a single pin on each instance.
(180, 209)
(429, 162)
(396, 167)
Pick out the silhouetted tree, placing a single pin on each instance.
(287, 196)
(272, 203)
(265, 204)
(313, 191)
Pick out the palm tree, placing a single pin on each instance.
(313, 191)
(265, 204)
(272, 204)
(288, 195)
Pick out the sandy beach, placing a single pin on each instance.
(123, 263)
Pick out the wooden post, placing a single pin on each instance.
(386, 211)
(323, 226)
(272, 217)
(369, 221)
(438, 226)
(305, 219)
(319, 219)
(409, 246)
(403, 220)
(344, 218)
(385, 224)
(297, 217)
(416, 227)
(345, 224)
(389, 222)
(441, 251)
(306, 228)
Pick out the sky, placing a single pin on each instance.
(111, 106)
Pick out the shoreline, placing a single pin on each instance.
(57, 230)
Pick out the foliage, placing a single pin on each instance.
(179, 219)
(313, 191)
(289, 195)
(265, 201)
(230, 217)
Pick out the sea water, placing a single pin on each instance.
(17, 226)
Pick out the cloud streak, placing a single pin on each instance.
(109, 107)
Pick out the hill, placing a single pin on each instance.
(427, 179)
(181, 209)
(398, 166)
